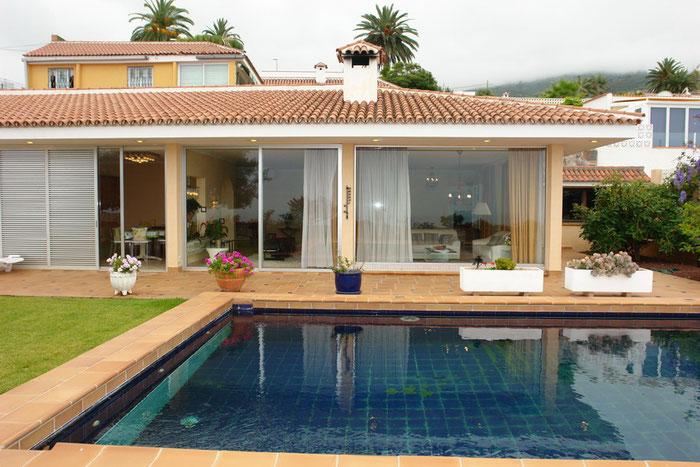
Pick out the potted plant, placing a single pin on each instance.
(123, 273)
(348, 277)
(502, 275)
(230, 270)
(215, 231)
(611, 272)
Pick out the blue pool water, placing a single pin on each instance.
(486, 392)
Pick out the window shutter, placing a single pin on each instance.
(190, 75)
(215, 75)
(23, 205)
(72, 208)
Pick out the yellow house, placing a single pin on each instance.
(97, 65)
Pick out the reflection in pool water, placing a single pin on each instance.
(483, 392)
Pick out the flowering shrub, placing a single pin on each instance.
(686, 179)
(127, 264)
(609, 264)
(227, 264)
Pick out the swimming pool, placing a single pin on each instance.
(414, 389)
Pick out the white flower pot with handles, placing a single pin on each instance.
(518, 280)
(581, 280)
(122, 282)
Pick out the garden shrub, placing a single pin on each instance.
(505, 264)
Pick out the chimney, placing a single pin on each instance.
(321, 72)
(361, 62)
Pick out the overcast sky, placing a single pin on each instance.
(464, 43)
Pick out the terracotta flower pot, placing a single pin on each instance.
(231, 283)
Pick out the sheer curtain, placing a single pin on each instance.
(320, 166)
(383, 206)
(523, 180)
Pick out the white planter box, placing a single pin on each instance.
(520, 280)
(122, 282)
(581, 280)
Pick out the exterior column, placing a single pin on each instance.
(553, 222)
(173, 207)
(77, 77)
(347, 240)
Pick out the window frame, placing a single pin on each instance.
(128, 76)
(203, 67)
(71, 77)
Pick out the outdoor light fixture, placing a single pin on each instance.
(140, 157)
(253, 140)
(30, 142)
(594, 141)
(375, 140)
(139, 141)
(487, 141)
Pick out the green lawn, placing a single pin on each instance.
(38, 334)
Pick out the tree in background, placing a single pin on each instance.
(562, 88)
(164, 22)
(390, 30)
(483, 92)
(411, 76)
(221, 29)
(670, 75)
(592, 86)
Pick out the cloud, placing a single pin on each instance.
(462, 43)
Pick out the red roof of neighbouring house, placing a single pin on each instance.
(263, 104)
(123, 48)
(309, 81)
(596, 174)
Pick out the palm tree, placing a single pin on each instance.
(220, 28)
(591, 86)
(164, 22)
(670, 75)
(389, 29)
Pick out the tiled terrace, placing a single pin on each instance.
(435, 292)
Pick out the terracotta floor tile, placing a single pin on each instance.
(17, 458)
(33, 411)
(486, 462)
(552, 463)
(368, 461)
(184, 458)
(425, 461)
(12, 432)
(123, 456)
(305, 460)
(67, 455)
(247, 459)
(614, 463)
(9, 402)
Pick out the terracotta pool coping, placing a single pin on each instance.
(34, 410)
(77, 455)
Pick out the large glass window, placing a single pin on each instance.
(693, 126)
(207, 74)
(573, 196)
(109, 186)
(444, 205)
(299, 207)
(676, 137)
(658, 119)
(222, 189)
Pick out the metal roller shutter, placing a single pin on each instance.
(72, 208)
(23, 226)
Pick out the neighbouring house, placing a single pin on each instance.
(9, 84)
(579, 183)
(298, 173)
(65, 64)
(670, 124)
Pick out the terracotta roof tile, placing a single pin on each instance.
(597, 174)
(263, 104)
(361, 48)
(93, 49)
(309, 81)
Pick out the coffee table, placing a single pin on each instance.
(434, 255)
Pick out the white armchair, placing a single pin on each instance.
(493, 247)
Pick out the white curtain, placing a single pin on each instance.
(320, 166)
(383, 206)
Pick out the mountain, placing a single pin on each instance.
(618, 83)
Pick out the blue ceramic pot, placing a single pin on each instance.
(348, 282)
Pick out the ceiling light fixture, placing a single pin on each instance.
(30, 142)
(140, 157)
(594, 141)
(253, 140)
(375, 140)
(487, 141)
(139, 141)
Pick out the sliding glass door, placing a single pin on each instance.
(295, 223)
(131, 185)
(449, 205)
